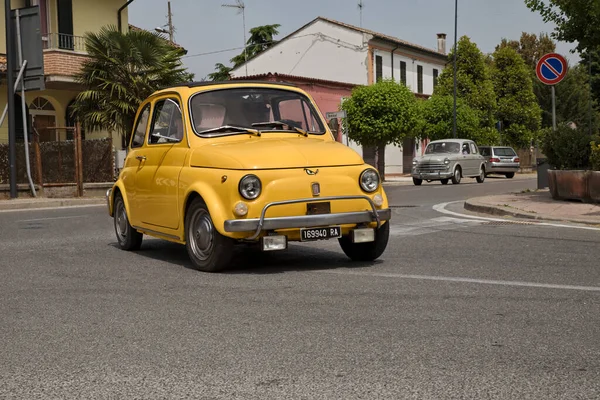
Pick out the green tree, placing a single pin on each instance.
(381, 114)
(575, 20)
(530, 47)
(261, 38)
(474, 83)
(121, 71)
(518, 109)
(221, 73)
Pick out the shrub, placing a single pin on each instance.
(567, 148)
(595, 156)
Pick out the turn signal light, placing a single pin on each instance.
(494, 159)
(517, 159)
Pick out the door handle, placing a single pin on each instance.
(141, 158)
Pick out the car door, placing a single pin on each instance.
(162, 159)
(477, 158)
(467, 159)
(133, 163)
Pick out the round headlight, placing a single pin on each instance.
(415, 162)
(446, 161)
(250, 187)
(369, 180)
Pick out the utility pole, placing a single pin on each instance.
(360, 10)
(170, 22)
(10, 79)
(454, 62)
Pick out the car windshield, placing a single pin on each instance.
(442, 147)
(233, 111)
(504, 152)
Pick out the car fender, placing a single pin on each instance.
(111, 198)
(213, 202)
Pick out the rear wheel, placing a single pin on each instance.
(417, 181)
(367, 251)
(481, 176)
(510, 175)
(457, 176)
(209, 251)
(127, 237)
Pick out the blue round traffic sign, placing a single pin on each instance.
(551, 68)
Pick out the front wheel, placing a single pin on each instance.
(369, 251)
(481, 176)
(209, 251)
(457, 176)
(127, 237)
(417, 181)
(444, 181)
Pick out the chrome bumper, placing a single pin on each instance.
(304, 221)
(108, 193)
(433, 175)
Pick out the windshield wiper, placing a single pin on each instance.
(225, 128)
(280, 123)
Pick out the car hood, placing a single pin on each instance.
(269, 153)
(434, 157)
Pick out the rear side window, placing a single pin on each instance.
(485, 151)
(140, 128)
(504, 152)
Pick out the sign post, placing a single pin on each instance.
(550, 70)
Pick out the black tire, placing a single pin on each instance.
(367, 251)
(482, 175)
(457, 176)
(127, 237)
(510, 175)
(208, 250)
(417, 181)
(444, 181)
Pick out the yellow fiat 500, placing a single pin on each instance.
(211, 165)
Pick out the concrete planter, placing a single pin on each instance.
(574, 185)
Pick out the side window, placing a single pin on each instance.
(485, 151)
(140, 128)
(473, 148)
(167, 123)
(465, 148)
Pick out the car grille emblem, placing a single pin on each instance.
(316, 189)
(310, 171)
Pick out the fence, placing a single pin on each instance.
(57, 163)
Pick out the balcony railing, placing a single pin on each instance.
(63, 41)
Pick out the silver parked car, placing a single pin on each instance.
(501, 160)
(449, 159)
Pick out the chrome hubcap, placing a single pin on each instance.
(201, 235)
(121, 220)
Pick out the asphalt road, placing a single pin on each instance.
(457, 307)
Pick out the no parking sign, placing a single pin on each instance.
(551, 69)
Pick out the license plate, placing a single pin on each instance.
(310, 234)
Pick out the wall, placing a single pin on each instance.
(309, 55)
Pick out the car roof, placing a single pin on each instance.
(195, 84)
(451, 140)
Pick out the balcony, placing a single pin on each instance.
(61, 41)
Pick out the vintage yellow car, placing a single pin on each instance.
(212, 165)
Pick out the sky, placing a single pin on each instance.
(204, 26)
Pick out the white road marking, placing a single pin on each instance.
(52, 208)
(430, 226)
(441, 208)
(51, 218)
(463, 280)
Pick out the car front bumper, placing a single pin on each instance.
(258, 225)
(108, 201)
(431, 175)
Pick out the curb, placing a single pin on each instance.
(6, 205)
(476, 206)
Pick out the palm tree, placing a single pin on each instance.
(122, 70)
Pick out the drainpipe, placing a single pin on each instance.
(119, 14)
(395, 48)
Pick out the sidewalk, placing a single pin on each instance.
(28, 203)
(536, 205)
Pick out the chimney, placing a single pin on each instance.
(441, 43)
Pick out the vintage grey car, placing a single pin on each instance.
(502, 160)
(449, 159)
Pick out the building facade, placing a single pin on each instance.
(328, 54)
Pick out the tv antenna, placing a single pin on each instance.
(360, 10)
(239, 4)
